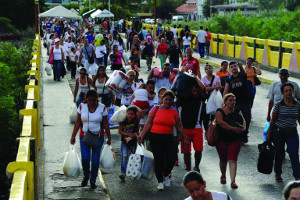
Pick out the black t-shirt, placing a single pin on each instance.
(169, 35)
(238, 86)
(162, 36)
(233, 119)
(174, 53)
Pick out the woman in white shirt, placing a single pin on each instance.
(100, 52)
(186, 42)
(105, 95)
(121, 45)
(196, 187)
(58, 58)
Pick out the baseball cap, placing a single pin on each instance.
(56, 40)
(283, 72)
(148, 37)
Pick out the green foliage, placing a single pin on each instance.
(14, 63)
(276, 25)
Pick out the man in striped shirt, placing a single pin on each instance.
(275, 95)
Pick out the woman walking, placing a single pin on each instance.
(148, 51)
(283, 130)
(91, 115)
(116, 58)
(58, 57)
(83, 84)
(106, 95)
(160, 123)
(161, 51)
(231, 127)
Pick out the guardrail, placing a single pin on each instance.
(272, 53)
(24, 169)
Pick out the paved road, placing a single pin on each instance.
(252, 185)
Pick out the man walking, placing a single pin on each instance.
(174, 52)
(200, 41)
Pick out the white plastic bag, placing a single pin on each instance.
(147, 168)
(73, 114)
(119, 115)
(72, 165)
(48, 70)
(214, 102)
(108, 157)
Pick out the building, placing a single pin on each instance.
(191, 10)
(246, 8)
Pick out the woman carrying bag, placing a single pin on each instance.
(231, 126)
(90, 116)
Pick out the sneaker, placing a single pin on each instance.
(93, 186)
(278, 178)
(160, 186)
(234, 185)
(84, 182)
(122, 177)
(196, 169)
(167, 181)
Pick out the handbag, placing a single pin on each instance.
(51, 57)
(256, 79)
(90, 139)
(212, 134)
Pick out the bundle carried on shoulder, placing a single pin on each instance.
(117, 81)
(182, 84)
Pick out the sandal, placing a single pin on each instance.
(234, 185)
(223, 180)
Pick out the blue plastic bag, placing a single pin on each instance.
(267, 125)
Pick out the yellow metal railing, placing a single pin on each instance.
(23, 169)
(273, 53)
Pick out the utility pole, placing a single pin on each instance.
(36, 16)
(89, 5)
(154, 11)
(109, 5)
(210, 8)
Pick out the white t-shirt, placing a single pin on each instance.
(140, 95)
(78, 54)
(57, 53)
(91, 121)
(69, 45)
(72, 56)
(174, 30)
(98, 51)
(186, 40)
(201, 34)
(215, 196)
(65, 50)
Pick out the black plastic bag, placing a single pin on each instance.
(266, 157)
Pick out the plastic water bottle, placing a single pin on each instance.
(266, 130)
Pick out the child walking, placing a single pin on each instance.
(128, 129)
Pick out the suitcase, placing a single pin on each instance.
(266, 157)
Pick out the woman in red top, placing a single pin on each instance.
(160, 123)
(161, 51)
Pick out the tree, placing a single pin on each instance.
(165, 8)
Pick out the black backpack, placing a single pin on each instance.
(266, 157)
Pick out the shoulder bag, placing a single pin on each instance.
(256, 79)
(212, 132)
(51, 57)
(146, 137)
(90, 139)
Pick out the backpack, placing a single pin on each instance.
(141, 36)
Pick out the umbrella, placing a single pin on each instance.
(59, 11)
(105, 13)
(97, 12)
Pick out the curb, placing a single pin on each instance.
(262, 79)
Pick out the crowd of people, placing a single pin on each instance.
(155, 115)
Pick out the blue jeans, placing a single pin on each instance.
(184, 48)
(56, 69)
(174, 65)
(86, 159)
(100, 61)
(125, 156)
(80, 98)
(279, 139)
(207, 44)
(201, 49)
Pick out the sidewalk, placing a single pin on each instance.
(57, 104)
